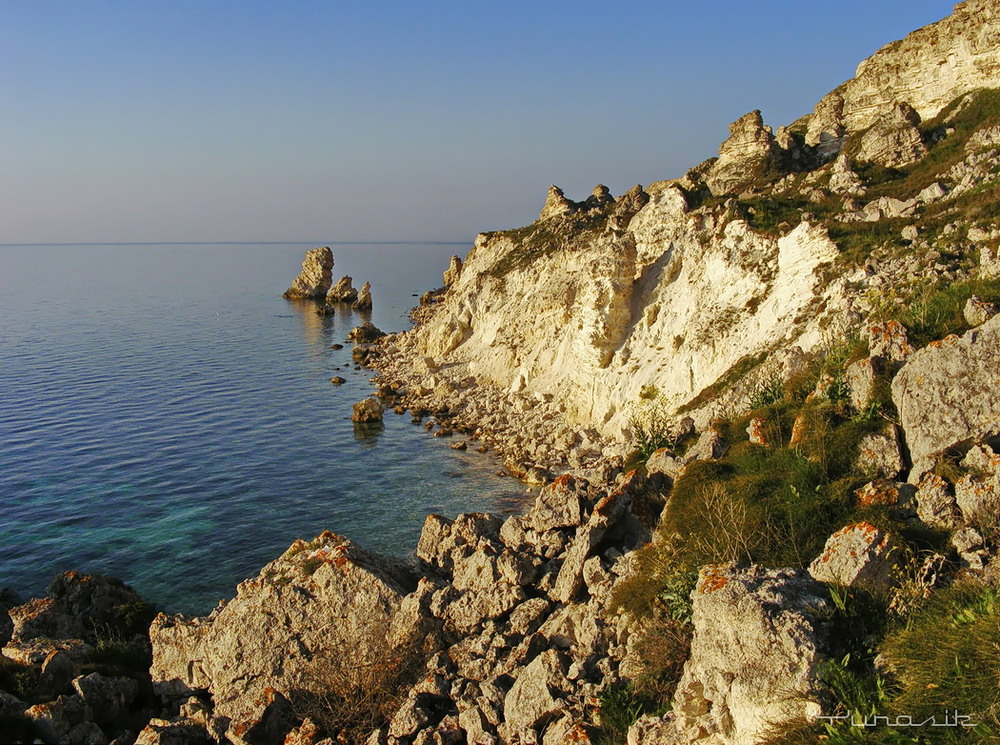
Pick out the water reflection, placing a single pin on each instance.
(367, 433)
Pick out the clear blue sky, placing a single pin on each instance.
(249, 120)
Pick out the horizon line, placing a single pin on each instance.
(244, 243)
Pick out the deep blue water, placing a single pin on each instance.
(167, 418)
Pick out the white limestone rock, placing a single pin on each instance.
(859, 555)
(754, 656)
(949, 392)
(316, 276)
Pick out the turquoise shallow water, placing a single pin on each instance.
(167, 418)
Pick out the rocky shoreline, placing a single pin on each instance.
(806, 529)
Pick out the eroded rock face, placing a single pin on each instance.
(320, 599)
(894, 141)
(949, 393)
(754, 656)
(747, 154)
(315, 278)
(556, 204)
(927, 70)
(453, 272)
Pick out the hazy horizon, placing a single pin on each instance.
(243, 122)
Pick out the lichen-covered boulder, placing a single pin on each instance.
(949, 393)
(315, 278)
(859, 555)
(754, 656)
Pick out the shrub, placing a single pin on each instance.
(354, 687)
(651, 423)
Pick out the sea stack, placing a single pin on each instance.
(364, 301)
(315, 278)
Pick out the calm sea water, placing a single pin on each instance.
(167, 418)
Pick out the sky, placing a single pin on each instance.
(331, 121)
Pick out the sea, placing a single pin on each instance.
(167, 418)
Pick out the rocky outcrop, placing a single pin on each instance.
(556, 204)
(894, 140)
(364, 301)
(453, 272)
(748, 154)
(315, 278)
(927, 70)
(948, 394)
(343, 291)
(859, 555)
(285, 628)
(758, 642)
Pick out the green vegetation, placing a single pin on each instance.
(20, 680)
(543, 238)
(947, 655)
(936, 311)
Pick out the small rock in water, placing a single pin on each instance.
(338, 380)
(369, 410)
(459, 445)
(336, 346)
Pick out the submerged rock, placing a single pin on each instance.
(315, 278)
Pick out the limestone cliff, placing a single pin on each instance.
(682, 289)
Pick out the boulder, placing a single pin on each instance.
(305, 622)
(453, 272)
(936, 504)
(894, 140)
(756, 648)
(534, 699)
(861, 378)
(315, 278)
(443, 541)
(8, 600)
(561, 504)
(880, 455)
(365, 333)
(859, 555)
(977, 311)
(606, 515)
(177, 732)
(109, 698)
(68, 719)
(58, 671)
(343, 291)
(368, 411)
(949, 393)
(889, 341)
(35, 651)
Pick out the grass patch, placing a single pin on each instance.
(947, 656)
(20, 680)
(936, 311)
